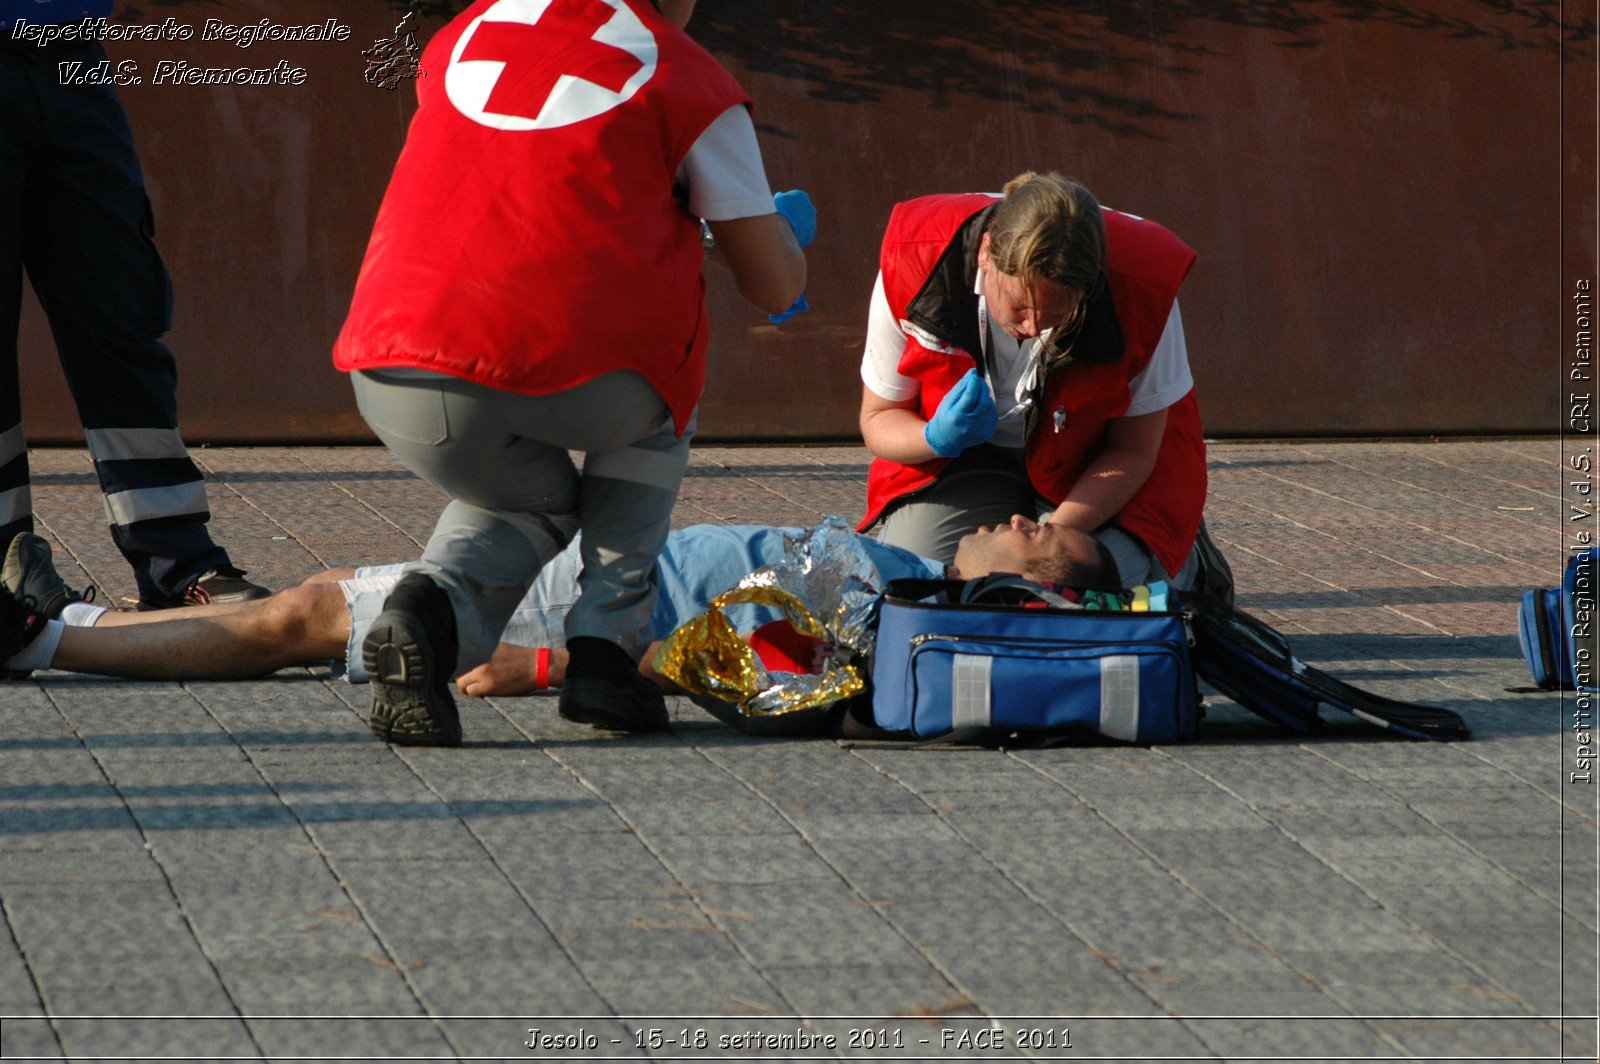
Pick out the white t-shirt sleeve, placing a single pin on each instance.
(1167, 378)
(723, 170)
(880, 364)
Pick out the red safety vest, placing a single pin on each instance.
(1146, 265)
(530, 239)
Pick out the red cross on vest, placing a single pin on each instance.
(560, 43)
(542, 64)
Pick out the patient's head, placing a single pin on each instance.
(1048, 553)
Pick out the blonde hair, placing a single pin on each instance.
(1049, 228)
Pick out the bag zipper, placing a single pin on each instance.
(1186, 616)
(924, 638)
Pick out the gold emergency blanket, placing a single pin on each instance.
(707, 657)
(826, 587)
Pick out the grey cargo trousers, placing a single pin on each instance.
(517, 497)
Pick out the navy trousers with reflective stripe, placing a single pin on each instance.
(74, 215)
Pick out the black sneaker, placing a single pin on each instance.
(30, 575)
(603, 687)
(410, 653)
(212, 587)
(20, 624)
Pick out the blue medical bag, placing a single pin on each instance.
(1035, 664)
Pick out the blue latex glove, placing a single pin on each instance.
(966, 417)
(796, 206)
(800, 306)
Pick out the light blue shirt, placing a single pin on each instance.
(702, 561)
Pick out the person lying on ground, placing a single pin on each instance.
(328, 615)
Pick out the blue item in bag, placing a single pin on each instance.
(952, 661)
(1556, 627)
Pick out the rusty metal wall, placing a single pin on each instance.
(1380, 193)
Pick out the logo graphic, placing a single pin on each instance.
(543, 64)
(392, 60)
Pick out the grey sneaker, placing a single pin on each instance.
(222, 585)
(214, 586)
(29, 574)
(410, 653)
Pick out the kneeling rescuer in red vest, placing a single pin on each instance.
(533, 287)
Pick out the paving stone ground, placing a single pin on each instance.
(240, 870)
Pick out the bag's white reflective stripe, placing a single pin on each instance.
(1119, 696)
(969, 690)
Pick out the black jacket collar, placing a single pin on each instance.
(947, 305)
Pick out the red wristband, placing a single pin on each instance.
(541, 669)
